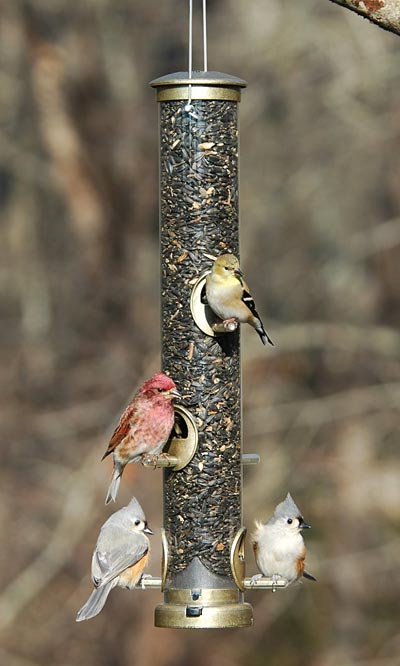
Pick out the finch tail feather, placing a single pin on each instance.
(96, 602)
(114, 485)
(116, 479)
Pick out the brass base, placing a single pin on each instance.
(203, 609)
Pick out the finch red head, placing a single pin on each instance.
(144, 427)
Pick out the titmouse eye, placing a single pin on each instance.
(289, 521)
(137, 522)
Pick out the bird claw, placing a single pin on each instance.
(150, 460)
(275, 580)
(142, 579)
(254, 578)
(230, 324)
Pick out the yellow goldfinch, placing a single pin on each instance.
(229, 297)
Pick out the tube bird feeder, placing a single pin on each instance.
(199, 215)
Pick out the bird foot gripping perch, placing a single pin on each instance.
(226, 325)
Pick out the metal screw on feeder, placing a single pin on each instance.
(199, 216)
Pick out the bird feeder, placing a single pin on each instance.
(203, 566)
(199, 215)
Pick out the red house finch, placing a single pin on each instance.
(144, 427)
(120, 556)
(229, 297)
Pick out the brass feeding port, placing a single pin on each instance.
(181, 447)
(207, 607)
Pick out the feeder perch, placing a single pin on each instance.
(181, 448)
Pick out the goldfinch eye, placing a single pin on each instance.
(289, 520)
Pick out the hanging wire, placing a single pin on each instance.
(205, 34)
(188, 106)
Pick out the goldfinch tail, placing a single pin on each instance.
(258, 325)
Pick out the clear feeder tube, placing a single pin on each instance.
(199, 215)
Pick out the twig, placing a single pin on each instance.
(383, 13)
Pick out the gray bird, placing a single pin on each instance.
(279, 546)
(120, 556)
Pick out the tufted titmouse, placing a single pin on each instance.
(120, 556)
(279, 546)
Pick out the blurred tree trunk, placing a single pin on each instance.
(384, 13)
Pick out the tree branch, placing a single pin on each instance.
(384, 13)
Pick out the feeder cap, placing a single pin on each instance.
(205, 85)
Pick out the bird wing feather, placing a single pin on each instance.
(122, 429)
(248, 300)
(116, 550)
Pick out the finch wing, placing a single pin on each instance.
(122, 428)
(248, 300)
(116, 550)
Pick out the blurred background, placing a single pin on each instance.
(320, 246)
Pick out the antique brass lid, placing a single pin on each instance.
(204, 85)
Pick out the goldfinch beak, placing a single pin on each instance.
(238, 271)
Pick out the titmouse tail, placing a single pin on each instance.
(306, 574)
(115, 481)
(96, 601)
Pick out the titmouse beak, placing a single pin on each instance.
(147, 530)
(303, 525)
